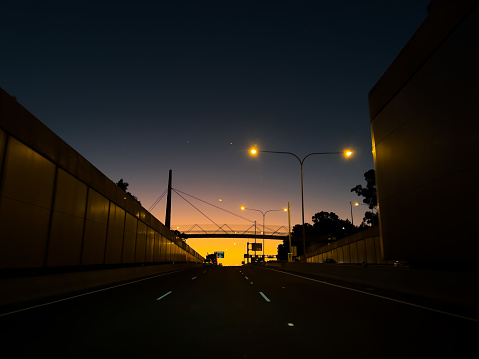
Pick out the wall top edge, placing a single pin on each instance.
(441, 21)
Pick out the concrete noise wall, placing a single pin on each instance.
(57, 209)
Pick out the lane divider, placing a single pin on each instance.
(265, 297)
(88, 293)
(164, 295)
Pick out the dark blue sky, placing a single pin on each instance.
(141, 87)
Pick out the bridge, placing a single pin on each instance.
(233, 231)
(213, 229)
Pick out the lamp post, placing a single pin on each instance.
(356, 204)
(347, 153)
(351, 205)
(264, 214)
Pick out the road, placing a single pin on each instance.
(233, 312)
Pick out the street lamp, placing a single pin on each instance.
(264, 214)
(346, 153)
(350, 205)
(356, 204)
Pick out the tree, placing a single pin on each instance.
(296, 241)
(326, 228)
(327, 225)
(124, 186)
(370, 197)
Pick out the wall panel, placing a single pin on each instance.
(370, 250)
(361, 251)
(164, 247)
(129, 242)
(353, 252)
(340, 255)
(66, 233)
(150, 244)
(25, 202)
(156, 247)
(347, 253)
(114, 239)
(28, 177)
(95, 228)
(140, 243)
(24, 234)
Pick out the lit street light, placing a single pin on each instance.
(346, 153)
(356, 204)
(264, 214)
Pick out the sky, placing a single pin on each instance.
(139, 88)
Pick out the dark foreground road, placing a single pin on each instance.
(243, 312)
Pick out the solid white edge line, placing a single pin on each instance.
(164, 295)
(381, 296)
(92, 292)
(265, 297)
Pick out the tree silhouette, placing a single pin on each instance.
(124, 186)
(370, 197)
(327, 225)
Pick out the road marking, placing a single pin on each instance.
(251, 282)
(92, 292)
(290, 325)
(193, 278)
(381, 296)
(246, 277)
(265, 297)
(164, 295)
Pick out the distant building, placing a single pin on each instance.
(424, 120)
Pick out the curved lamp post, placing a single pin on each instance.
(346, 153)
(264, 214)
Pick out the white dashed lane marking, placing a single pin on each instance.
(164, 295)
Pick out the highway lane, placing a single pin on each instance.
(233, 312)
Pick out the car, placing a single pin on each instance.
(329, 260)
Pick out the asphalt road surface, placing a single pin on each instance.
(234, 312)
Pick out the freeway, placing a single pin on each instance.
(233, 312)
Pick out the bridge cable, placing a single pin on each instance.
(157, 200)
(197, 209)
(224, 210)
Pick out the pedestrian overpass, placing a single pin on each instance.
(214, 230)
